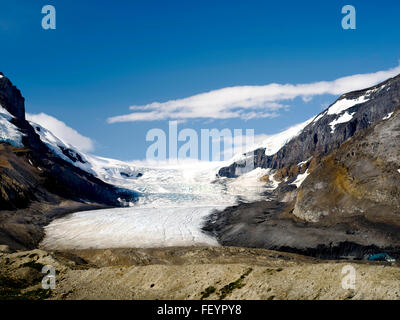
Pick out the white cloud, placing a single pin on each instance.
(62, 131)
(248, 102)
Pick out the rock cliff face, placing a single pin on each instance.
(11, 98)
(361, 178)
(351, 113)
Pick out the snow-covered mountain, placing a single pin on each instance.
(109, 170)
(273, 143)
(349, 114)
(36, 166)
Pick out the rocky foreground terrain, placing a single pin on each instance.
(190, 273)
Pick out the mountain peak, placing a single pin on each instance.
(11, 98)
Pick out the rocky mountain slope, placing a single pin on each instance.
(34, 179)
(338, 196)
(361, 178)
(351, 113)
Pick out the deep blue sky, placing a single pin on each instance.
(105, 56)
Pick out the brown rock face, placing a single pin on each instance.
(361, 178)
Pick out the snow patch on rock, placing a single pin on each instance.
(344, 104)
(346, 117)
(387, 116)
(9, 133)
(300, 179)
(304, 162)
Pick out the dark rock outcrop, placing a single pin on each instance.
(11, 98)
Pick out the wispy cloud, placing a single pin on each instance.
(248, 102)
(62, 131)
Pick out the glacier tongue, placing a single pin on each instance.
(171, 211)
(123, 228)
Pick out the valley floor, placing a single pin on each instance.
(190, 273)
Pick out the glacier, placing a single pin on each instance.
(174, 199)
